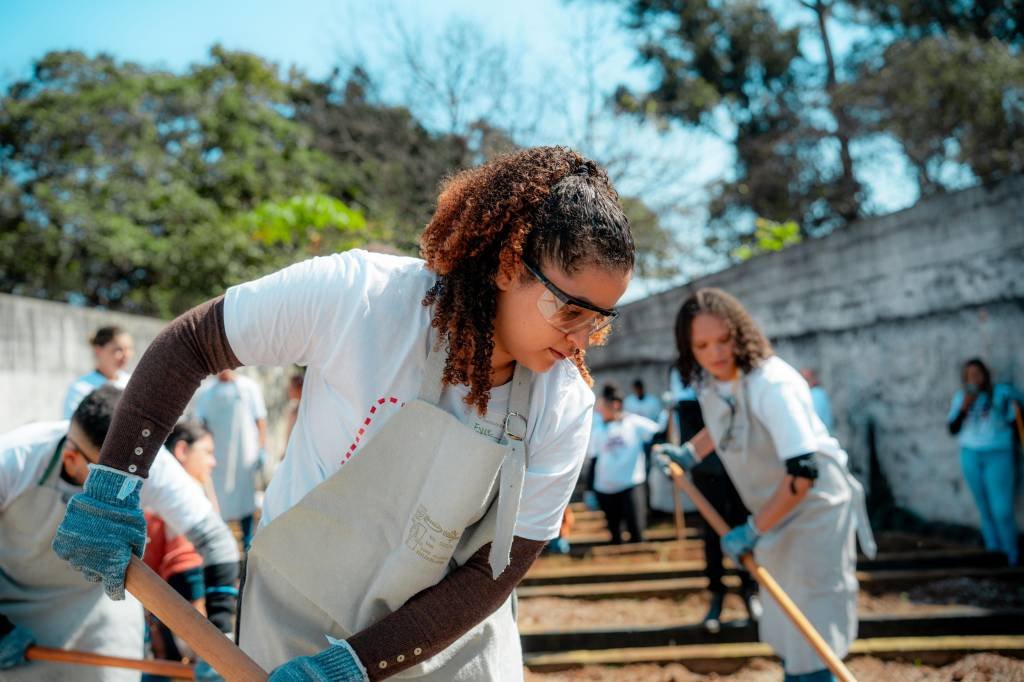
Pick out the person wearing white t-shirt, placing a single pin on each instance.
(619, 467)
(643, 403)
(42, 600)
(232, 408)
(113, 348)
(443, 423)
(806, 506)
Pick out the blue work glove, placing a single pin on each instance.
(740, 540)
(684, 455)
(103, 527)
(204, 672)
(336, 663)
(13, 646)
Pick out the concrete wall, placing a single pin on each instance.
(886, 310)
(44, 346)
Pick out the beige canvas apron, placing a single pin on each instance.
(811, 552)
(43, 593)
(417, 500)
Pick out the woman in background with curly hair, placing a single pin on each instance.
(445, 417)
(788, 470)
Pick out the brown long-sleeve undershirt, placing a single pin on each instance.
(194, 346)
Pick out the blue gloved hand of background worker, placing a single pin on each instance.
(740, 540)
(204, 672)
(683, 455)
(13, 646)
(103, 527)
(336, 663)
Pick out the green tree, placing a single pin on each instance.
(121, 185)
(943, 79)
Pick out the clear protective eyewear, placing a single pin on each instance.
(566, 313)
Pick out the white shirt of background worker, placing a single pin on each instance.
(619, 449)
(45, 600)
(113, 348)
(232, 408)
(642, 403)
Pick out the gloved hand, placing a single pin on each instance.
(13, 646)
(740, 540)
(204, 672)
(103, 527)
(336, 663)
(684, 455)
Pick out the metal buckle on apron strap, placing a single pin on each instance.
(521, 420)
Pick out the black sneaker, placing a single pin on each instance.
(713, 620)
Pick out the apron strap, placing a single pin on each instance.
(54, 458)
(430, 389)
(860, 509)
(513, 470)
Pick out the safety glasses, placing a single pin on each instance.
(566, 313)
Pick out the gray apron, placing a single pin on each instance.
(811, 552)
(43, 593)
(418, 500)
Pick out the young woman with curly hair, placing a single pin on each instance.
(792, 475)
(445, 417)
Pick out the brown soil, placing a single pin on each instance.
(557, 613)
(987, 594)
(973, 668)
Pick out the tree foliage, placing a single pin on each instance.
(147, 191)
(942, 79)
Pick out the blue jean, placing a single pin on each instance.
(990, 476)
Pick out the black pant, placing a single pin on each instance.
(628, 506)
(716, 486)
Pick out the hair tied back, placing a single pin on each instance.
(583, 170)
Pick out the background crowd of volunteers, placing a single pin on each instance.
(207, 474)
(210, 472)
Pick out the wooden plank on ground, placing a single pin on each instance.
(690, 654)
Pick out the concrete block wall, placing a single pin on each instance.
(886, 310)
(44, 346)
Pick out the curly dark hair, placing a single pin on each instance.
(752, 348)
(549, 205)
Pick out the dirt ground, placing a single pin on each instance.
(974, 668)
(555, 613)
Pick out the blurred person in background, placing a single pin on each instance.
(819, 398)
(714, 483)
(642, 403)
(232, 408)
(806, 507)
(43, 599)
(981, 416)
(175, 559)
(619, 465)
(113, 348)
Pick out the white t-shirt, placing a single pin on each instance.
(619, 448)
(649, 406)
(356, 321)
(86, 384)
(169, 491)
(781, 400)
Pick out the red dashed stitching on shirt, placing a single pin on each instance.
(366, 423)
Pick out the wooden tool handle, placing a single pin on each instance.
(766, 581)
(178, 671)
(163, 602)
